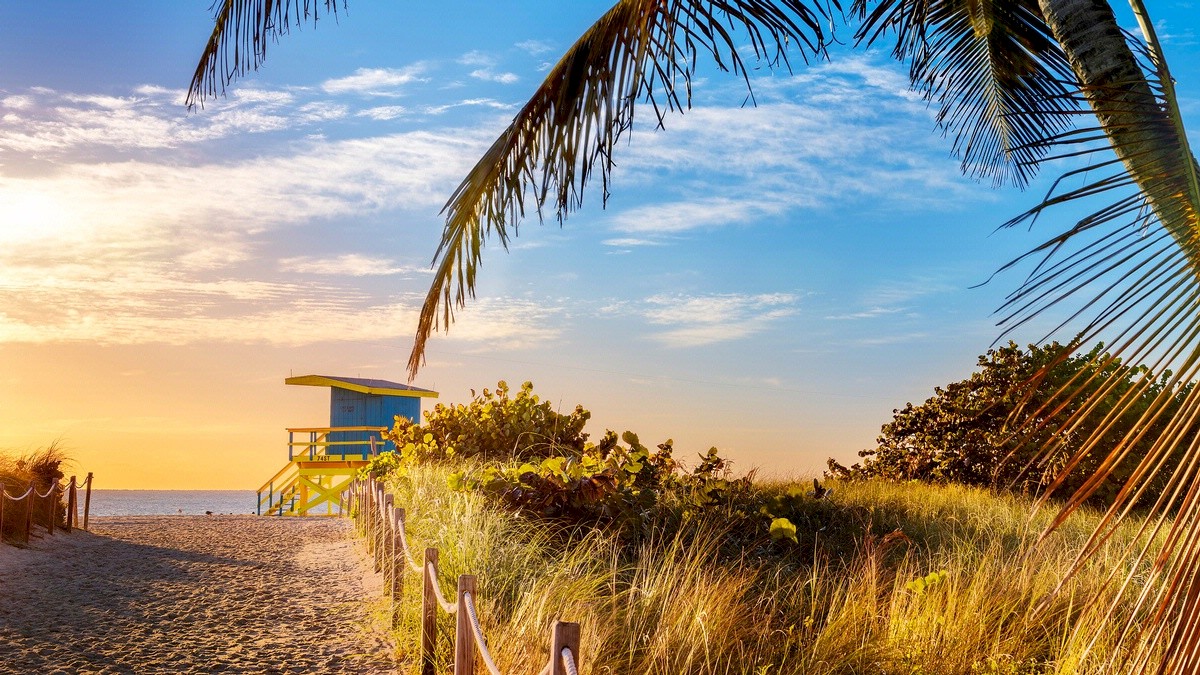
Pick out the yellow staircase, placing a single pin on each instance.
(318, 470)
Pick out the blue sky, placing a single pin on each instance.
(769, 279)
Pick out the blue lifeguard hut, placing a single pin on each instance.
(323, 460)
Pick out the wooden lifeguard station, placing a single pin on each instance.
(323, 460)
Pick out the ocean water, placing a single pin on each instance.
(170, 502)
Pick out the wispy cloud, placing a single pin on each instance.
(628, 242)
(492, 76)
(534, 47)
(375, 81)
(152, 206)
(467, 103)
(698, 320)
(502, 323)
(476, 58)
(349, 265)
(49, 123)
(844, 133)
(871, 313)
(903, 291)
(1183, 37)
(675, 217)
(158, 305)
(382, 113)
(484, 68)
(883, 340)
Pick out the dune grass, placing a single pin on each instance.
(38, 468)
(844, 600)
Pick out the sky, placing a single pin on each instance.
(771, 278)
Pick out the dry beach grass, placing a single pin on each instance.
(192, 594)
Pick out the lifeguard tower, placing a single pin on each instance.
(323, 460)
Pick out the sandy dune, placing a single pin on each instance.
(192, 594)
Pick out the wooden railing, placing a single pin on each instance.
(319, 445)
(382, 524)
(277, 495)
(50, 506)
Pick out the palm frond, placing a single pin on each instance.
(1001, 82)
(1131, 268)
(242, 29)
(639, 51)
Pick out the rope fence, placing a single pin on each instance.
(382, 525)
(18, 515)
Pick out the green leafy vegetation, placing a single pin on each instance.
(492, 426)
(1009, 80)
(677, 601)
(977, 431)
(677, 569)
(619, 485)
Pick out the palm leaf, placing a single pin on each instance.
(1009, 79)
(242, 29)
(1000, 80)
(1130, 270)
(639, 51)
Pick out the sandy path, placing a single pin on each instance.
(191, 594)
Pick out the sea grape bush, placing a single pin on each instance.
(493, 426)
(624, 485)
(970, 432)
(522, 454)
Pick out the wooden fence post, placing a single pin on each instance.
(52, 507)
(464, 638)
(429, 610)
(3, 499)
(361, 519)
(368, 504)
(399, 563)
(379, 532)
(70, 503)
(389, 552)
(563, 635)
(389, 540)
(87, 502)
(355, 505)
(29, 497)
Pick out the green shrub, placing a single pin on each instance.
(521, 455)
(980, 431)
(493, 426)
(628, 485)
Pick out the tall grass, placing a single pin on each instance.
(678, 602)
(38, 468)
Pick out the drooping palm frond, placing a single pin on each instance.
(639, 51)
(242, 29)
(1131, 268)
(1000, 80)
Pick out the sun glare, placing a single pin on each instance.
(35, 215)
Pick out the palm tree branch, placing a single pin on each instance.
(1000, 81)
(242, 29)
(639, 51)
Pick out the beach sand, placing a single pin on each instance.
(192, 594)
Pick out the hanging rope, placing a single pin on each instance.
(568, 661)
(17, 499)
(412, 564)
(448, 607)
(478, 631)
(365, 498)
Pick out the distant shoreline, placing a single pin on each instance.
(142, 502)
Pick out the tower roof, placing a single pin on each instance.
(362, 385)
